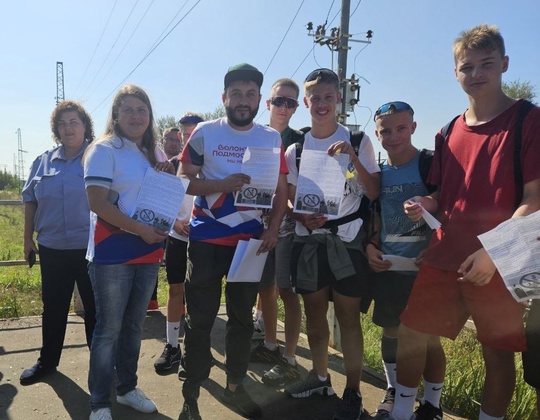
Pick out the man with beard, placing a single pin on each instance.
(212, 160)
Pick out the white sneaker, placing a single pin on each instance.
(137, 400)
(101, 414)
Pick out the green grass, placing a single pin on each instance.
(20, 295)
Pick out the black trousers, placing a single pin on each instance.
(60, 269)
(207, 264)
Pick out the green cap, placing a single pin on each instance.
(243, 71)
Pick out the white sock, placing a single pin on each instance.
(404, 402)
(173, 331)
(291, 360)
(390, 372)
(432, 393)
(270, 346)
(484, 416)
(322, 378)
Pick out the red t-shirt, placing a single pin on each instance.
(474, 168)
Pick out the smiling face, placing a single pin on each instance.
(479, 72)
(241, 100)
(322, 100)
(71, 130)
(395, 131)
(133, 118)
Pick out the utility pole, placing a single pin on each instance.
(59, 82)
(338, 40)
(20, 165)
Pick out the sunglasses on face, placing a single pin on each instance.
(323, 75)
(280, 101)
(395, 106)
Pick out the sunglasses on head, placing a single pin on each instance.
(323, 75)
(285, 101)
(395, 106)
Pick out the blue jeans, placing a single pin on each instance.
(122, 293)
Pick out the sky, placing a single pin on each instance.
(178, 51)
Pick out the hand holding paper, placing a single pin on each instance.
(431, 221)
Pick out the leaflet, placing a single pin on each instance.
(247, 266)
(262, 165)
(514, 248)
(159, 199)
(401, 263)
(320, 183)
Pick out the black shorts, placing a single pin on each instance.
(391, 292)
(352, 286)
(531, 358)
(176, 260)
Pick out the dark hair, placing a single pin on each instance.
(149, 140)
(66, 106)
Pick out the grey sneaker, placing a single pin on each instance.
(261, 354)
(241, 402)
(258, 329)
(170, 357)
(426, 411)
(386, 405)
(309, 386)
(281, 374)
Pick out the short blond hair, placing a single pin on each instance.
(482, 37)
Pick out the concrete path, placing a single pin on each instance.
(64, 395)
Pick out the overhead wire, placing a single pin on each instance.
(110, 49)
(95, 49)
(284, 36)
(157, 44)
(124, 47)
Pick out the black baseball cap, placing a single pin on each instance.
(243, 71)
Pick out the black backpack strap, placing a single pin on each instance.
(355, 139)
(448, 127)
(424, 165)
(524, 109)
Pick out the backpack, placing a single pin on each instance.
(524, 109)
(363, 211)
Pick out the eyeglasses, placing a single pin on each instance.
(394, 106)
(285, 101)
(323, 75)
(175, 139)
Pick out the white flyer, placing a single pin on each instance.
(159, 199)
(247, 266)
(262, 165)
(320, 183)
(515, 250)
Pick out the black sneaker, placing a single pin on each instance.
(309, 386)
(350, 406)
(426, 411)
(261, 354)
(281, 374)
(190, 409)
(241, 402)
(170, 356)
(386, 405)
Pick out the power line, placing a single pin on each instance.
(110, 49)
(95, 49)
(283, 39)
(328, 14)
(356, 8)
(146, 56)
(123, 48)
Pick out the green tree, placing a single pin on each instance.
(164, 122)
(218, 112)
(520, 90)
(9, 182)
